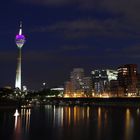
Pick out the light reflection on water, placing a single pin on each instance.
(69, 116)
(22, 124)
(129, 124)
(71, 123)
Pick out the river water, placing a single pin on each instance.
(71, 123)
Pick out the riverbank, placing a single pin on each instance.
(112, 101)
(96, 101)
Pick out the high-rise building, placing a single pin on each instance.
(78, 86)
(101, 79)
(77, 79)
(87, 86)
(138, 84)
(68, 88)
(20, 40)
(127, 77)
(112, 74)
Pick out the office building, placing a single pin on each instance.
(127, 77)
(101, 80)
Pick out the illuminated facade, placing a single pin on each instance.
(127, 77)
(77, 76)
(68, 88)
(78, 86)
(101, 80)
(87, 86)
(112, 74)
(20, 40)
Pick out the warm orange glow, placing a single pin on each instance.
(87, 112)
(74, 95)
(99, 117)
(99, 122)
(128, 125)
(69, 115)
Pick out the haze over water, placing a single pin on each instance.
(71, 123)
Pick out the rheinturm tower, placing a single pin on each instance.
(20, 40)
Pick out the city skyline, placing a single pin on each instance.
(62, 35)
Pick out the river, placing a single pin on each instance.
(52, 122)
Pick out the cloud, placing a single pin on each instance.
(75, 47)
(128, 9)
(121, 18)
(7, 56)
(132, 51)
(49, 2)
(81, 28)
(37, 56)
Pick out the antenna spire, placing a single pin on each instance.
(20, 30)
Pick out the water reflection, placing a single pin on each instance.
(58, 117)
(71, 123)
(128, 125)
(69, 115)
(16, 114)
(99, 122)
(22, 123)
(138, 111)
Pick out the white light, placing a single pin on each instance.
(16, 113)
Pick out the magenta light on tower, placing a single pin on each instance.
(20, 40)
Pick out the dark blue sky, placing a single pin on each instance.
(63, 34)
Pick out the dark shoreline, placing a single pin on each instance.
(96, 101)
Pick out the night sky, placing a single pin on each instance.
(64, 34)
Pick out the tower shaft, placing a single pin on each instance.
(18, 71)
(20, 40)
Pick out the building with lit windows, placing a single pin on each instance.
(112, 74)
(76, 77)
(68, 91)
(78, 85)
(101, 80)
(127, 78)
(87, 86)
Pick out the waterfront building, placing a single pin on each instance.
(60, 90)
(78, 85)
(68, 89)
(112, 74)
(127, 77)
(101, 80)
(20, 40)
(76, 77)
(138, 85)
(115, 89)
(87, 86)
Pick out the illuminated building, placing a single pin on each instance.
(68, 88)
(127, 77)
(77, 76)
(115, 89)
(138, 85)
(20, 40)
(78, 86)
(101, 80)
(60, 90)
(112, 74)
(87, 86)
